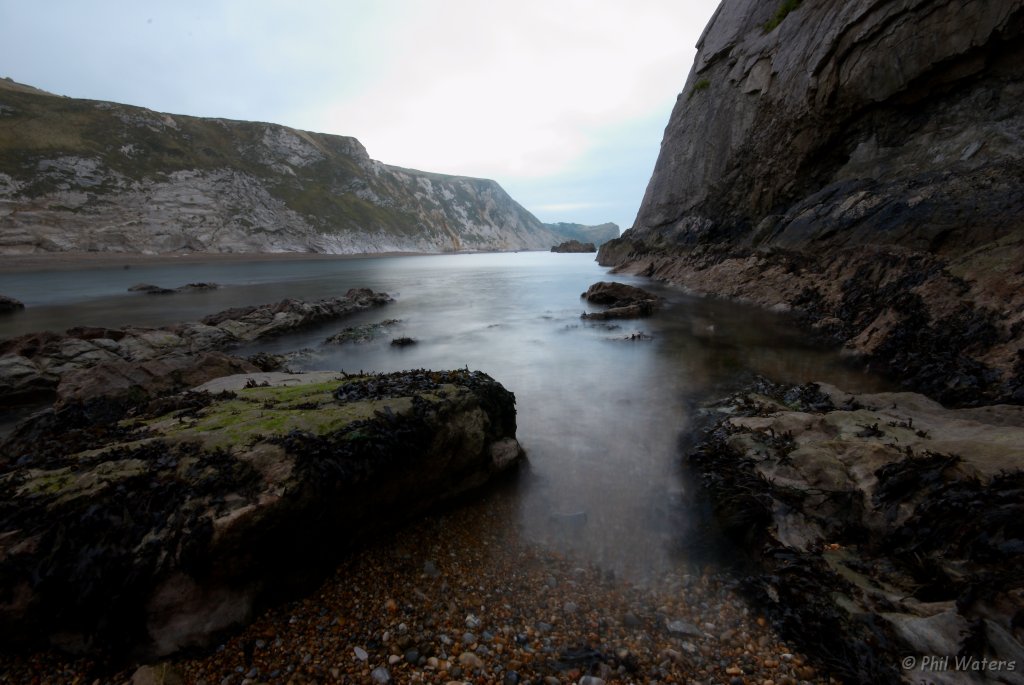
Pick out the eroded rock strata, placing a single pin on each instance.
(861, 163)
(133, 363)
(149, 530)
(881, 526)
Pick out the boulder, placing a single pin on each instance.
(9, 305)
(155, 530)
(623, 301)
(882, 524)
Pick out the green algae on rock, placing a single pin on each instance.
(201, 508)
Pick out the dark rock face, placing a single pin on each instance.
(574, 246)
(878, 525)
(140, 361)
(861, 162)
(9, 304)
(148, 529)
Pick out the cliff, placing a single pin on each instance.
(599, 234)
(860, 163)
(99, 176)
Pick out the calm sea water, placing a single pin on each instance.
(600, 414)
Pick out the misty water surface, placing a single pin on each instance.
(599, 414)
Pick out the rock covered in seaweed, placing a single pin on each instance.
(152, 531)
(623, 301)
(881, 525)
(9, 305)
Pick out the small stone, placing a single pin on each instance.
(511, 678)
(470, 660)
(569, 607)
(630, 620)
(430, 569)
(381, 675)
(472, 622)
(806, 672)
(361, 653)
(394, 659)
(678, 627)
(433, 663)
(412, 656)
(468, 638)
(391, 606)
(591, 680)
(734, 670)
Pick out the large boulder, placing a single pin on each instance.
(882, 525)
(860, 162)
(150, 531)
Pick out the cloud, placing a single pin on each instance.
(514, 89)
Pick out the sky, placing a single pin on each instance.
(563, 102)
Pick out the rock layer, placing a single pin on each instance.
(860, 162)
(82, 175)
(880, 525)
(153, 530)
(132, 363)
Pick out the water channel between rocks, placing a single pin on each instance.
(600, 412)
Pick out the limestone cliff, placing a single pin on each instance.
(100, 176)
(861, 162)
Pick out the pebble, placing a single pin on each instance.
(384, 617)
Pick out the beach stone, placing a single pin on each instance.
(361, 653)
(380, 675)
(679, 627)
(471, 661)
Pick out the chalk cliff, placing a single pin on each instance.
(862, 163)
(100, 176)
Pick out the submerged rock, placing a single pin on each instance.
(9, 305)
(151, 531)
(882, 524)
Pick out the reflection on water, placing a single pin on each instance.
(599, 414)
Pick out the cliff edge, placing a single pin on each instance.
(861, 163)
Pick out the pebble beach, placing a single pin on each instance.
(461, 597)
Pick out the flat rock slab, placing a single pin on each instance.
(151, 530)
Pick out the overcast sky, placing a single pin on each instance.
(563, 102)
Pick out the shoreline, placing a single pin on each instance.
(72, 261)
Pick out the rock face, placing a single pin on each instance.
(599, 234)
(149, 531)
(574, 246)
(882, 525)
(860, 162)
(133, 363)
(99, 176)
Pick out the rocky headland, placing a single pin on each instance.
(88, 176)
(598, 234)
(574, 246)
(859, 164)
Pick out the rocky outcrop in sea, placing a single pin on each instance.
(132, 362)
(574, 246)
(859, 163)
